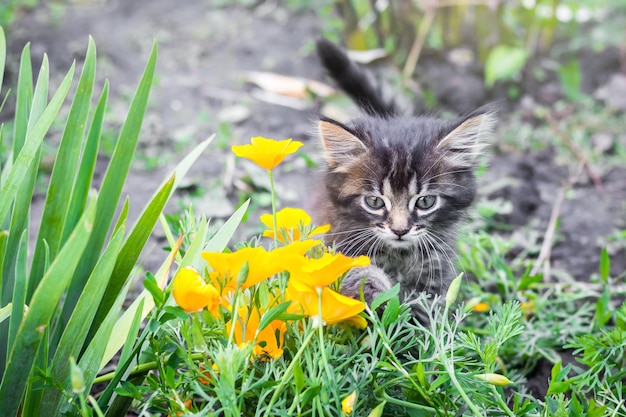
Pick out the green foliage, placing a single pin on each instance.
(48, 301)
(504, 62)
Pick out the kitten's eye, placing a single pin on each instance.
(374, 202)
(426, 202)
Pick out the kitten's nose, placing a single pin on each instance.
(400, 232)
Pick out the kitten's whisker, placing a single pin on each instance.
(448, 252)
(357, 242)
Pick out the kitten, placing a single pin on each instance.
(396, 187)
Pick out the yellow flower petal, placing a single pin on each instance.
(269, 341)
(289, 222)
(323, 271)
(261, 265)
(267, 153)
(192, 293)
(481, 307)
(528, 308)
(348, 403)
(335, 307)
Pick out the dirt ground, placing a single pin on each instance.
(204, 50)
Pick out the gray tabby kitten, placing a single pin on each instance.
(396, 187)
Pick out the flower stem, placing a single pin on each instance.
(233, 319)
(273, 193)
(288, 372)
(320, 332)
(501, 402)
(448, 363)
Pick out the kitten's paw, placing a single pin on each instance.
(373, 279)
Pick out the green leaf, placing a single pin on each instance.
(603, 309)
(378, 410)
(558, 387)
(132, 249)
(41, 309)
(82, 181)
(59, 191)
(385, 296)
(123, 323)
(219, 241)
(75, 332)
(19, 288)
(310, 393)
(272, 314)
(3, 54)
(27, 154)
(131, 337)
(298, 376)
(570, 77)
(151, 285)
(556, 369)
(90, 361)
(605, 265)
(503, 63)
(113, 182)
(5, 312)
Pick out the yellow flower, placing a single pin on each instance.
(261, 263)
(205, 375)
(528, 308)
(348, 403)
(269, 341)
(325, 270)
(267, 153)
(481, 307)
(192, 293)
(335, 307)
(228, 265)
(289, 222)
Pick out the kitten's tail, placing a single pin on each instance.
(354, 80)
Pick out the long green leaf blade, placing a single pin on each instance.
(115, 175)
(75, 333)
(65, 166)
(132, 249)
(19, 289)
(82, 182)
(42, 308)
(3, 54)
(219, 241)
(31, 146)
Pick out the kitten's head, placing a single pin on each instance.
(392, 180)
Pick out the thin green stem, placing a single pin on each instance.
(288, 372)
(501, 402)
(233, 319)
(394, 359)
(320, 332)
(409, 405)
(95, 406)
(83, 405)
(273, 193)
(448, 362)
(142, 368)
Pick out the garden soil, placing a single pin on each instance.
(205, 53)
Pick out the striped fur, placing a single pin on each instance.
(396, 187)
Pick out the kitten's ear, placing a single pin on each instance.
(341, 147)
(466, 141)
